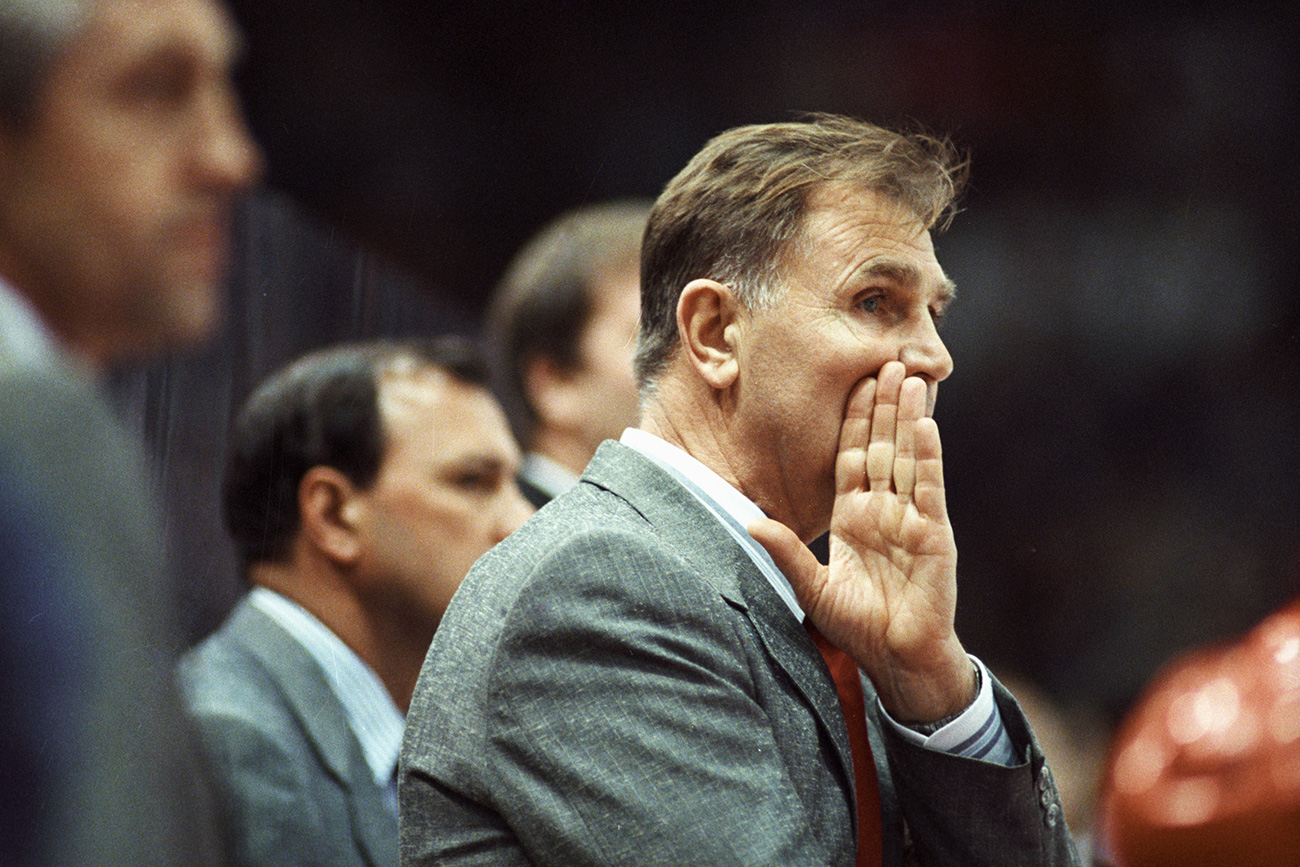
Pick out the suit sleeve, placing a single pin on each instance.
(966, 812)
(621, 728)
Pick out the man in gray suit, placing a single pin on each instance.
(363, 482)
(121, 153)
(631, 678)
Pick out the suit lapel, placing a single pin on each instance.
(790, 645)
(687, 526)
(317, 709)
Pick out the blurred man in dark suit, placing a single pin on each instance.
(562, 327)
(363, 481)
(122, 150)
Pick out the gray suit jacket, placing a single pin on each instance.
(288, 768)
(616, 683)
(96, 765)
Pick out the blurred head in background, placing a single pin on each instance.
(562, 326)
(364, 481)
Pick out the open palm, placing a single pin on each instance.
(888, 595)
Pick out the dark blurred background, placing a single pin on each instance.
(1121, 429)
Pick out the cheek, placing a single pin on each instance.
(451, 529)
(609, 354)
(82, 234)
(119, 216)
(813, 404)
(619, 383)
(423, 523)
(447, 551)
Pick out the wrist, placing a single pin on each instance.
(944, 686)
(929, 728)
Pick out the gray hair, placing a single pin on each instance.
(32, 32)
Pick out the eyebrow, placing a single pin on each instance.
(481, 462)
(225, 46)
(907, 274)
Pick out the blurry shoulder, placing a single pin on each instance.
(228, 670)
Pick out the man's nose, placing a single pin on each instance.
(225, 152)
(924, 353)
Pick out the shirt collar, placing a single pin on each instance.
(546, 475)
(375, 719)
(25, 341)
(733, 509)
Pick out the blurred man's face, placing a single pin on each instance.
(445, 492)
(115, 203)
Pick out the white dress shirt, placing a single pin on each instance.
(24, 339)
(977, 732)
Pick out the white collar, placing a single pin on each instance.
(375, 719)
(25, 341)
(545, 474)
(733, 509)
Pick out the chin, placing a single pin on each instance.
(171, 328)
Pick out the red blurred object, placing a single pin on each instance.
(1206, 770)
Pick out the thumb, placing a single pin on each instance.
(793, 558)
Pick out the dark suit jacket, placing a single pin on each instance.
(96, 765)
(617, 683)
(288, 768)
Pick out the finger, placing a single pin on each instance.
(905, 439)
(911, 399)
(855, 431)
(929, 494)
(793, 558)
(881, 447)
(911, 408)
(880, 466)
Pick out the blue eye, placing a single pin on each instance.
(870, 304)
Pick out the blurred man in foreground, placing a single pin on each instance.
(121, 153)
(363, 482)
(562, 328)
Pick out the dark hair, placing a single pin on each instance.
(735, 208)
(545, 299)
(321, 410)
(31, 34)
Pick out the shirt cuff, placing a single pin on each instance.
(975, 733)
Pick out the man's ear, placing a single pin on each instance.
(551, 393)
(329, 511)
(708, 323)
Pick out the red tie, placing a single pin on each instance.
(845, 673)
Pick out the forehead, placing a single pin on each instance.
(847, 230)
(419, 402)
(407, 387)
(116, 32)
